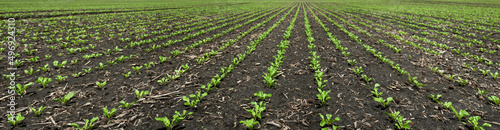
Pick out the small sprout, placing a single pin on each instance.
(481, 92)
(60, 78)
(101, 85)
(366, 78)
(175, 119)
(190, 103)
(127, 74)
(328, 120)
(381, 100)
(250, 123)
(77, 74)
(462, 82)
(20, 89)
(495, 75)
(258, 109)
(358, 70)
(15, 120)
(474, 121)
(44, 81)
(198, 96)
(262, 95)
(375, 91)
(88, 125)
(323, 96)
(126, 105)
(175, 53)
(136, 68)
(163, 81)
(141, 94)
(39, 111)
(495, 100)
(435, 98)
(269, 80)
(109, 113)
(66, 98)
(352, 62)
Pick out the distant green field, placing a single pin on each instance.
(482, 10)
(244, 64)
(30, 5)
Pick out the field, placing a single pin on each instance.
(298, 65)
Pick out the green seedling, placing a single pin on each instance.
(34, 59)
(136, 68)
(258, 109)
(474, 121)
(462, 82)
(163, 81)
(60, 78)
(60, 65)
(401, 125)
(20, 89)
(15, 120)
(141, 94)
(101, 84)
(126, 105)
(461, 113)
(18, 63)
(323, 96)
(375, 91)
(198, 96)
(262, 95)
(66, 98)
(111, 63)
(481, 92)
(88, 125)
(77, 74)
(250, 123)
(45, 68)
(44, 81)
(435, 98)
(495, 75)
(366, 78)
(190, 103)
(435, 69)
(39, 111)
(175, 53)
(208, 87)
(484, 72)
(101, 66)
(381, 100)
(127, 74)
(87, 70)
(352, 62)
(328, 120)
(109, 113)
(393, 115)
(345, 53)
(269, 80)
(495, 100)
(450, 77)
(175, 119)
(358, 70)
